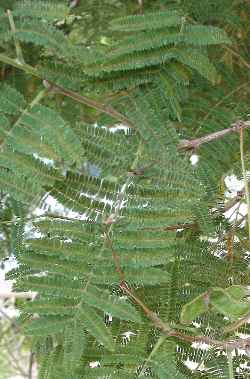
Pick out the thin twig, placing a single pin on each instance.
(116, 258)
(158, 344)
(243, 61)
(232, 202)
(172, 228)
(31, 363)
(195, 143)
(221, 101)
(230, 364)
(237, 324)
(109, 110)
(245, 178)
(18, 47)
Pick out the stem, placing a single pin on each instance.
(156, 347)
(237, 324)
(19, 52)
(73, 95)
(232, 202)
(38, 98)
(173, 228)
(243, 61)
(31, 363)
(112, 218)
(24, 67)
(233, 92)
(140, 3)
(195, 143)
(230, 364)
(245, 178)
(93, 104)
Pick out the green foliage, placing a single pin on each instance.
(228, 302)
(47, 10)
(138, 234)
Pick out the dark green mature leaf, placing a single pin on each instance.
(122, 208)
(11, 101)
(94, 324)
(109, 303)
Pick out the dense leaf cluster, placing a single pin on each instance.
(138, 260)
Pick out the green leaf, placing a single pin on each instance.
(25, 190)
(47, 325)
(94, 324)
(11, 101)
(194, 59)
(47, 10)
(112, 304)
(227, 305)
(226, 301)
(237, 292)
(193, 309)
(154, 20)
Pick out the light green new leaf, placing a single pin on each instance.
(237, 292)
(227, 305)
(193, 309)
(226, 301)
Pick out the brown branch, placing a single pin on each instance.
(237, 324)
(166, 329)
(108, 109)
(116, 259)
(195, 143)
(227, 345)
(221, 101)
(73, 95)
(242, 60)
(150, 314)
(230, 241)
